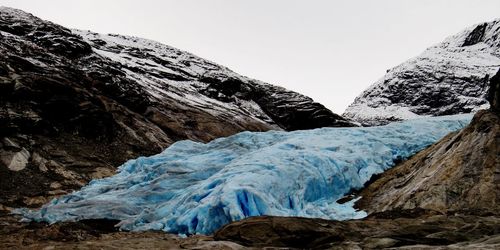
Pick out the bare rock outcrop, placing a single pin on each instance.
(494, 93)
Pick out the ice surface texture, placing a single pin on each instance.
(194, 187)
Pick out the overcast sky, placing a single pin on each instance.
(328, 50)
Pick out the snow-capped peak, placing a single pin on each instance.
(448, 78)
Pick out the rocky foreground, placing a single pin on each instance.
(408, 229)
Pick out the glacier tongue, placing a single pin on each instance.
(194, 187)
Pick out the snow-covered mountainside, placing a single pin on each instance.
(74, 105)
(448, 78)
(193, 187)
(166, 72)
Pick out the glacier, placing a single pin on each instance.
(196, 188)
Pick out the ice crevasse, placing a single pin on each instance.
(196, 187)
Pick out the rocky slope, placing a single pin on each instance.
(448, 78)
(445, 197)
(76, 104)
(461, 172)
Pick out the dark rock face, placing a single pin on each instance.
(279, 107)
(74, 105)
(53, 38)
(310, 115)
(476, 35)
(494, 93)
(448, 78)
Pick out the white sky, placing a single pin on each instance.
(328, 50)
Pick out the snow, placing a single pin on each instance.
(193, 187)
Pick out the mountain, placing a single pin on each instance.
(74, 105)
(448, 78)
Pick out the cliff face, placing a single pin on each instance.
(448, 78)
(494, 93)
(75, 104)
(461, 172)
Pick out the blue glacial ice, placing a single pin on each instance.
(193, 187)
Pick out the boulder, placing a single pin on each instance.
(15, 161)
